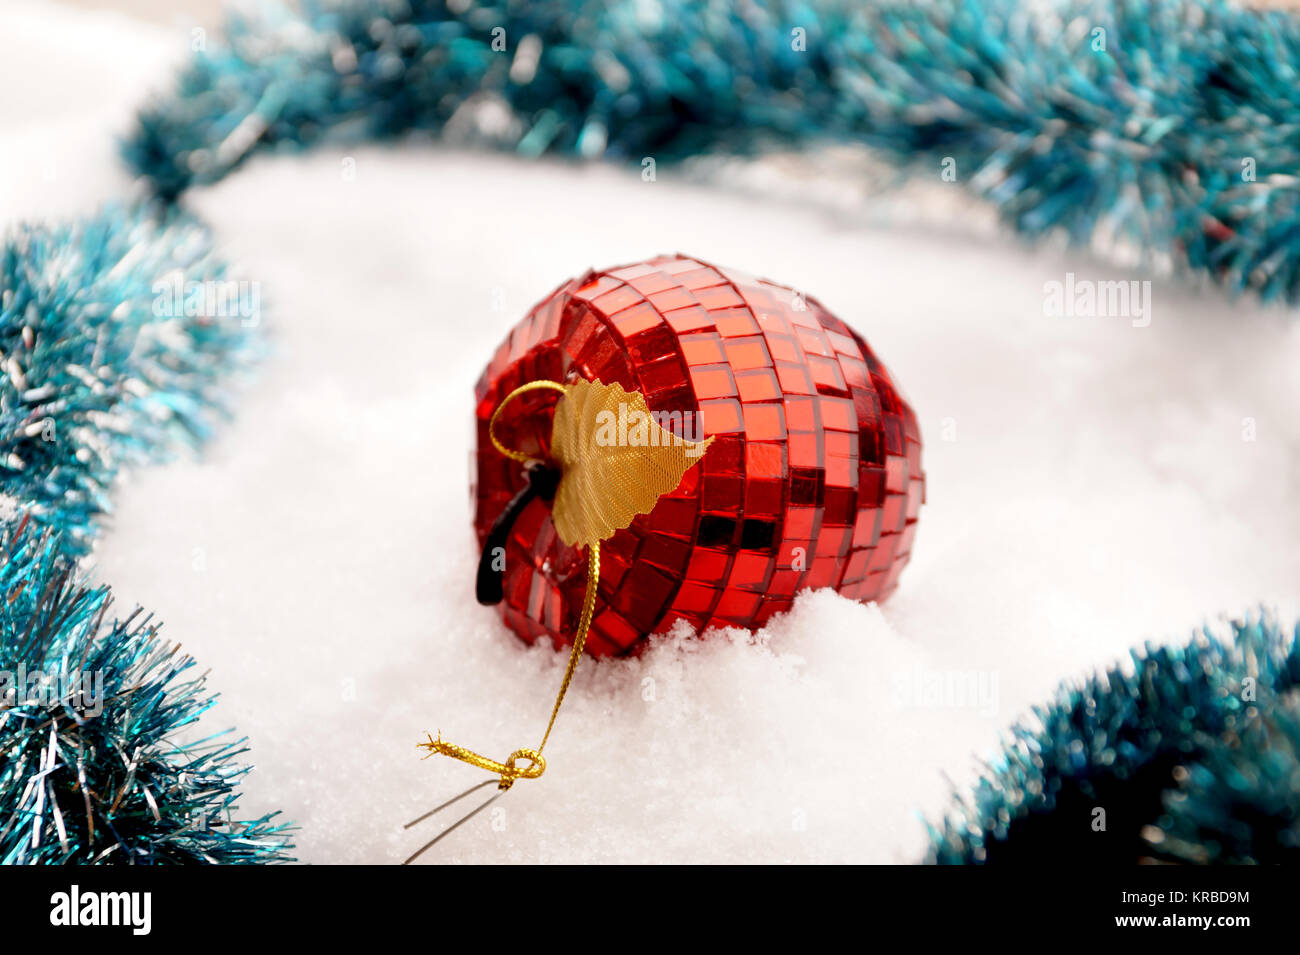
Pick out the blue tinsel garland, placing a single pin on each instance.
(1239, 803)
(1166, 124)
(102, 365)
(1192, 757)
(107, 358)
(93, 770)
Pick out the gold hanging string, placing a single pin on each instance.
(510, 770)
(603, 486)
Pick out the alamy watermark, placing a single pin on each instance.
(1085, 298)
(79, 906)
(80, 690)
(210, 298)
(631, 427)
(923, 688)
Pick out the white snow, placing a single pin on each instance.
(1089, 489)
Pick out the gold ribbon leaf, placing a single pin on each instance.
(616, 460)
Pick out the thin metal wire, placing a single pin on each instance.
(453, 799)
(455, 825)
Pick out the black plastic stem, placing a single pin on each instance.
(542, 482)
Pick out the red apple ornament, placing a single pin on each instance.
(813, 478)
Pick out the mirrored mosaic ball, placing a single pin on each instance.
(813, 479)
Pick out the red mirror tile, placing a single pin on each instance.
(813, 479)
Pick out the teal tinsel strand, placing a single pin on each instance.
(1239, 804)
(91, 767)
(1167, 124)
(110, 355)
(100, 364)
(1192, 757)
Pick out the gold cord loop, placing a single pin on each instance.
(510, 770)
(522, 389)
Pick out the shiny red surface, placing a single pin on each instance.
(814, 478)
